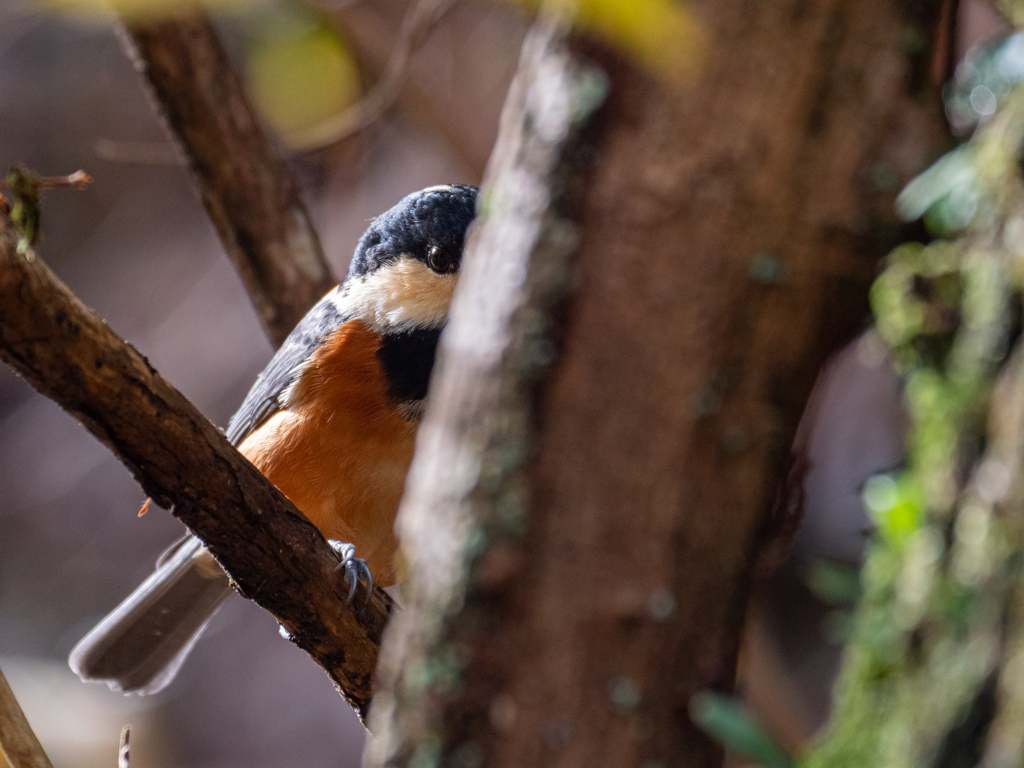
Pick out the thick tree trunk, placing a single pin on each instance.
(611, 506)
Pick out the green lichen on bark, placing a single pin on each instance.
(25, 213)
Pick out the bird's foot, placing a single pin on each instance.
(355, 567)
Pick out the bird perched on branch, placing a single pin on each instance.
(331, 422)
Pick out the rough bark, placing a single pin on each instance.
(274, 555)
(18, 743)
(725, 232)
(476, 436)
(249, 193)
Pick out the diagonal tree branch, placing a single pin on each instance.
(249, 193)
(18, 742)
(273, 554)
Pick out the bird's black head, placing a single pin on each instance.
(428, 226)
(404, 269)
(402, 280)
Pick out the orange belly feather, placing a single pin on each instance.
(341, 450)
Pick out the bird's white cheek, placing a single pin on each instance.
(398, 297)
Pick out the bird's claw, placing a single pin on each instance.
(355, 567)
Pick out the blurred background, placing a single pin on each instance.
(138, 248)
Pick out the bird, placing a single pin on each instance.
(331, 421)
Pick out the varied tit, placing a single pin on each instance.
(331, 421)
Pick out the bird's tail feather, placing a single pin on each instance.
(139, 647)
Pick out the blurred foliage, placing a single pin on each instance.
(299, 70)
(661, 34)
(728, 721)
(983, 79)
(943, 585)
(141, 10)
(894, 505)
(833, 582)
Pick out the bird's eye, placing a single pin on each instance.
(435, 259)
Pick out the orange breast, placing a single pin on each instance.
(341, 450)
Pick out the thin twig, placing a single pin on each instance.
(78, 180)
(416, 26)
(17, 740)
(122, 748)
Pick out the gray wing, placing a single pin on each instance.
(262, 401)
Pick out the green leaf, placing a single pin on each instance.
(734, 726)
(953, 177)
(833, 582)
(895, 505)
(301, 73)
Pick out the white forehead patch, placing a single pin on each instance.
(399, 296)
(437, 188)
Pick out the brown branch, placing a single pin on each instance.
(18, 743)
(274, 555)
(251, 196)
